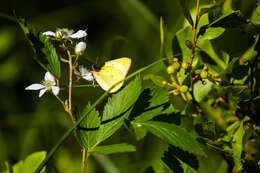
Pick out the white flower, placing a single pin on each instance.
(80, 48)
(48, 84)
(78, 34)
(66, 33)
(84, 73)
(49, 33)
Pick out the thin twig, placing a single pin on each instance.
(84, 160)
(70, 88)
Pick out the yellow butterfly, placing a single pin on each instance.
(112, 72)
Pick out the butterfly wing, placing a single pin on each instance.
(121, 64)
(107, 77)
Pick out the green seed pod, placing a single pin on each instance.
(189, 44)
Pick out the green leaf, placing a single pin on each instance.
(114, 148)
(45, 53)
(237, 147)
(201, 91)
(107, 163)
(118, 108)
(87, 131)
(232, 19)
(179, 43)
(212, 33)
(174, 135)
(151, 103)
(4, 167)
(30, 164)
(250, 54)
(186, 6)
(180, 161)
(255, 18)
(157, 80)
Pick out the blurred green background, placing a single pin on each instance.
(116, 28)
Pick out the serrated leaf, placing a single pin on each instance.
(153, 106)
(212, 33)
(180, 161)
(118, 108)
(114, 148)
(186, 6)
(87, 131)
(174, 135)
(45, 53)
(201, 91)
(30, 164)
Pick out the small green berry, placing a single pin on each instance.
(205, 68)
(164, 83)
(216, 75)
(204, 74)
(176, 65)
(175, 59)
(185, 65)
(184, 88)
(170, 69)
(176, 92)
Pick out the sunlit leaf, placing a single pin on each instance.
(174, 135)
(114, 148)
(30, 164)
(118, 108)
(201, 90)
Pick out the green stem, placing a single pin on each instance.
(102, 97)
(85, 86)
(8, 17)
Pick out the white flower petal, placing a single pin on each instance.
(80, 47)
(55, 90)
(79, 34)
(88, 76)
(42, 92)
(49, 77)
(35, 86)
(49, 33)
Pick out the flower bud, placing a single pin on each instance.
(80, 48)
(170, 69)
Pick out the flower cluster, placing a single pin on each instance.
(70, 34)
(65, 36)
